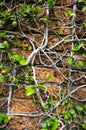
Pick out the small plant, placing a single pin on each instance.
(2, 34)
(78, 47)
(2, 79)
(59, 32)
(6, 17)
(76, 63)
(4, 46)
(50, 3)
(84, 24)
(49, 76)
(32, 89)
(73, 111)
(84, 54)
(69, 13)
(50, 103)
(3, 118)
(70, 61)
(28, 79)
(27, 11)
(50, 123)
(13, 18)
(83, 126)
(16, 58)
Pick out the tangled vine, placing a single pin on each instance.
(43, 53)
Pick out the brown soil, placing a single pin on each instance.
(24, 106)
(80, 94)
(22, 123)
(3, 105)
(42, 75)
(54, 91)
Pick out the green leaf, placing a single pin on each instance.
(2, 79)
(45, 19)
(84, 54)
(28, 79)
(14, 24)
(29, 90)
(10, 55)
(82, 63)
(75, 64)
(50, 2)
(5, 70)
(2, 46)
(2, 34)
(84, 9)
(74, 115)
(1, 3)
(46, 106)
(79, 108)
(84, 126)
(40, 86)
(70, 61)
(67, 116)
(80, 116)
(84, 24)
(78, 47)
(6, 44)
(40, 0)
(72, 111)
(48, 122)
(55, 125)
(82, 0)
(3, 118)
(22, 62)
(30, 48)
(84, 107)
(49, 76)
(1, 65)
(17, 58)
(66, 101)
(59, 32)
(69, 13)
(6, 120)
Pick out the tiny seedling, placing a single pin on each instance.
(3, 118)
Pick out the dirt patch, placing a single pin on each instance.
(3, 105)
(24, 106)
(66, 2)
(56, 91)
(20, 93)
(80, 94)
(23, 123)
(43, 74)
